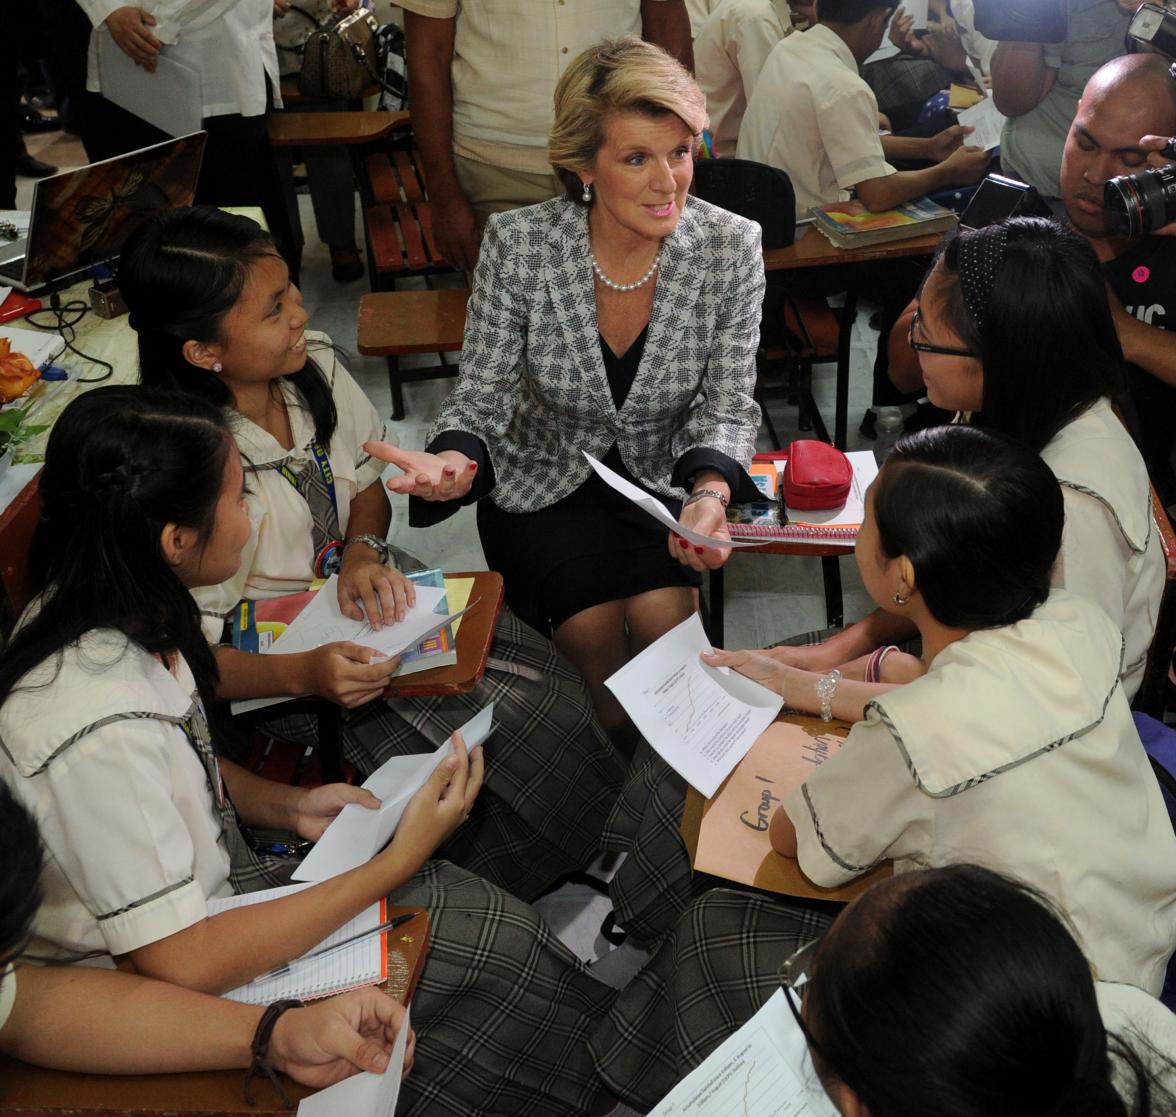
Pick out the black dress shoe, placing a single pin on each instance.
(32, 121)
(28, 166)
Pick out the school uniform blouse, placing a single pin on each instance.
(123, 804)
(279, 557)
(1016, 750)
(1111, 551)
(1133, 1015)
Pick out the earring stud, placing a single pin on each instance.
(900, 600)
(218, 367)
(587, 194)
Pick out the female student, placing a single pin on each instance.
(102, 697)
(957, 990)
(1013, 328)
(218, 317)
(106, 1022)
(1016, 748)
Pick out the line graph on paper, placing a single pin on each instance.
(697, 710)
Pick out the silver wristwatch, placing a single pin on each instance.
(380, 546)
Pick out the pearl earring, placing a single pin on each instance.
(218, 367)
(587, 195)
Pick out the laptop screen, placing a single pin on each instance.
(81, 218)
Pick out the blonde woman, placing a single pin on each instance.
(621, 319)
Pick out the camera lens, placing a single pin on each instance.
(1139, 203)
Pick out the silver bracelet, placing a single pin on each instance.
(827, 691)
(699, 494)
(380, 546)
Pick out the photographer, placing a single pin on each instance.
(1132, 96)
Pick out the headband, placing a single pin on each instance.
(978, 259)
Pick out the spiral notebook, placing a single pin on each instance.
(772, 522)
(362, 963)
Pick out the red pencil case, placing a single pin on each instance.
(818, 476)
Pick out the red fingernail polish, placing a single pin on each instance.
(700, 550)
(473, 466)
(683, 543)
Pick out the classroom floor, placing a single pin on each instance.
(767, 597)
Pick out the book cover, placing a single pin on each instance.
(851, 225)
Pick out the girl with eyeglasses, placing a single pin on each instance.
(1016, 747)
(960, 991)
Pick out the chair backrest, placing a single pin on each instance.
(753, 190)
(17, 524)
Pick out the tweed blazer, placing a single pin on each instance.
(533, 385)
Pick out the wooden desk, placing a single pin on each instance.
(401, 323)
(813, 250)
(325, 129)
(34, 1092)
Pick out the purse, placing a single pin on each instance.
(818, 476)
(339, 58)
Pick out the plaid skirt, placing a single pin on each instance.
(552, 776)
(503, 1010)
(711, 973)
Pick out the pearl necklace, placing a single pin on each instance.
(613, 285)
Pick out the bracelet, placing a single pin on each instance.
(259, 1049)
(826, 691)
(699, 494)
(380, 546)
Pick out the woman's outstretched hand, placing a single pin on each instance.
(444, 476)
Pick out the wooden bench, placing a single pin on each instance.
(398, 218)
(395, 324)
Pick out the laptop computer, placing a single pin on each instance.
(82, 218)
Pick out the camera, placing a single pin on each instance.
(1152, 28)
(1137, 204)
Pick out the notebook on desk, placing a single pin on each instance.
(81, 218)
(362, 963)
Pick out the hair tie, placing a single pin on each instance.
(978, 259)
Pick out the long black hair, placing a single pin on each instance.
(980, 517)
(1047, 341)
(180, 273)
(959, 991)
(121, 464)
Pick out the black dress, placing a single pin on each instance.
(592, 546)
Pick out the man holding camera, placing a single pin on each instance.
(1126, 99)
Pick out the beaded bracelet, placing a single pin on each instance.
(259, 1049)
(826, 691)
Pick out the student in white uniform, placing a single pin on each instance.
(103, 692)
(1013, 329)
(218, 317)
(730, 50)
(107, 1022)
(1016, 750)
(960, 991)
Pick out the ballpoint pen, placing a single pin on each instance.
(351, 940)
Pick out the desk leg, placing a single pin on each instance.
(714, 632)
(330, 728)
(831, 576)
(844, 337)
(394, 382)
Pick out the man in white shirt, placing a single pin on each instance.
(730, 50)
(483, 82)
(813, 116)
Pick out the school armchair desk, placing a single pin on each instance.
(30, 1091)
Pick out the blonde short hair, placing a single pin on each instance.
(616, 75)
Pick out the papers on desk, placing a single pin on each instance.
(38, 345)
(987, 122)
(655, 507)
(322, 622)
(357, 834)
(763, 1070)
(364, 1094)
(701, 720)
(351, 967)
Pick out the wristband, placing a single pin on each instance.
(259, 1049)
(827, 691)
(699, 494)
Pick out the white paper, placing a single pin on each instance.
(171, 98)
(700, 719)
(918, 10)
(39, 346)
(322, 622)
(364, 1094)
(853, 512)
(358, 833)
(988, 122)
(763, 1070)
(4, 293)
(656, 509)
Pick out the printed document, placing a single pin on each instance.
(364, 1094)
(171, 97)
(658, 510)
(763, 1070)
(987, 122)
(700, 719)
(358, 833)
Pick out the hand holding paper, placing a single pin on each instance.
(987, 123)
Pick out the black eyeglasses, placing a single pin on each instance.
(927, 347)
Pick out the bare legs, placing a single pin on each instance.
(602, 639)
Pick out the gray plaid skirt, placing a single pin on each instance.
(503, 1010)
(551, 775)
(710, 975)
